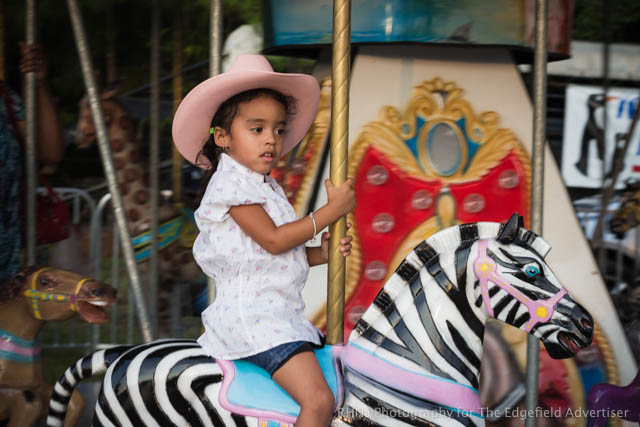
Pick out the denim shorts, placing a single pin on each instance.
(275, 357)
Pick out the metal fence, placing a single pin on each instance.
(122, 327)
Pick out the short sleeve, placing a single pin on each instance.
(226, 189)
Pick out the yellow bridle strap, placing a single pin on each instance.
(37, 295)
(34, 292)
(76, 292)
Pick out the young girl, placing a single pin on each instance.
(239, 124)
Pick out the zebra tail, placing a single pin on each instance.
(95, 363)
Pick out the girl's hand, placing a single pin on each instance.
(33, 60)
(345, 244)
(342, 198)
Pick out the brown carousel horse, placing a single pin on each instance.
(29, 299)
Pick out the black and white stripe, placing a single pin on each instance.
(158, 384)
(429, 317)
(95, 363)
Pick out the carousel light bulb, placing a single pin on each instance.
(421, 200)
(383, 223)
(377, 175)
(375, 270)
(508, 179)
(473, 203)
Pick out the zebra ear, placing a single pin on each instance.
(509, 231)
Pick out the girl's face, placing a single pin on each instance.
(257, 134)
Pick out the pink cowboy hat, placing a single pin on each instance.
(193, 117)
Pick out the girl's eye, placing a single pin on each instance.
(531, 270)
(280, 131)
(257, 130)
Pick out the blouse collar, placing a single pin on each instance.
(227, 163)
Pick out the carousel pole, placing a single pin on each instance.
(176, 169)
(215, 67)
(30, 145)
(215, 58)
(176, 163)
(537, 184)
(107, 164)
(339, 152)
(154, 154)
(2, 31)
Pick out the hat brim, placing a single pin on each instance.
(192, 120)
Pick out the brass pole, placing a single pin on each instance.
(339, 154)
(215, 67)
(215, 57)
(154, 160)
(31, 134)
(537, 184)
(176, 170)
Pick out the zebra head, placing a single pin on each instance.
(516, 286)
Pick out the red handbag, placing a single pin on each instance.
(52, 214)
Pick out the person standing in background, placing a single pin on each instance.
(49, 149)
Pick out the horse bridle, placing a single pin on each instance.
(486, 270)
(37, 295)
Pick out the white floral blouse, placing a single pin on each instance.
(258, 301)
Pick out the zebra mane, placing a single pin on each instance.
(447, 241)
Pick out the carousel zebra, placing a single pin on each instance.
(412, 359)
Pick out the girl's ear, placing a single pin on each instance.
(220, 137)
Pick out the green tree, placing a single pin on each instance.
(624, 20)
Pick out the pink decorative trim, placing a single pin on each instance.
(10, 347)
(338, 352)
(439, 390)
(229, 372)
(485, 269)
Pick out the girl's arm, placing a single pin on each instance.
(255, 221)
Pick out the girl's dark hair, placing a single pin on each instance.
(210, 153)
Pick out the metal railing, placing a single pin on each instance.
(77, 335)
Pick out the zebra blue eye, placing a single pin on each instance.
(531, 270)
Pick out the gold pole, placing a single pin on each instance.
(537, 186)
(338, 166)
(176, 170)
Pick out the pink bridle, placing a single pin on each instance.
(486, 268)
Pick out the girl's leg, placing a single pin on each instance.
(302, 378)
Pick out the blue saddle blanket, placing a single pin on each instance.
(249, 390)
